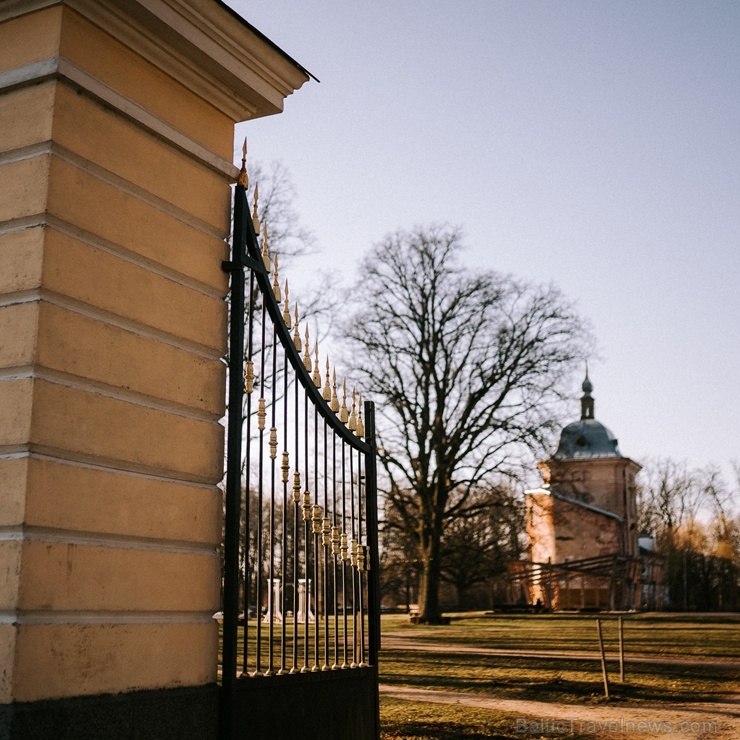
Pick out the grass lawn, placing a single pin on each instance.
(410, 720)
(682, 635)
(551, 679)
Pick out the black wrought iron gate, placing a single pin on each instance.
(300, 598)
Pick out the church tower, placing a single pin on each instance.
(583, 518)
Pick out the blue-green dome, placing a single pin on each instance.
(586, 438)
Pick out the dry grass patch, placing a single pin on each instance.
(416, 720)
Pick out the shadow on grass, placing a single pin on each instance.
(554, 680)
(438, 731)
(418, 720)
(412, 720)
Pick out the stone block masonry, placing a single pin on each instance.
(116, 142)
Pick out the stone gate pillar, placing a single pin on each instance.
(116, 142)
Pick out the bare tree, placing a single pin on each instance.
(290, 239)
(276, 208)
(670, 495)
(690, 511)
(469, 370)
(477, 543)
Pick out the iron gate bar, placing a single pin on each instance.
(260, 484)
(247, 462)
(273, 461)
(234, 448)
(371, 506)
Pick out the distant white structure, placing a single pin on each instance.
(304, 602)
(274, 613)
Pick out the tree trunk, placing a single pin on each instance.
(429, 580)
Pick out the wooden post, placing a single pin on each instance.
(604, 674)
(621, 650)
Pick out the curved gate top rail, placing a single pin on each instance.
(300, 589)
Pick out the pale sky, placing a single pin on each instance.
(592, 144)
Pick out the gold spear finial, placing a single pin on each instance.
(336, 540)
(296, 487)
(361, 558)
(275, 276)
(243, 178)
(344, 548)
(255, 216)
(248, 376)
(265, 251)
(306, 506)
(326, 532)
(334, 405)
(326, 391)
(316, 375)
(273, 442)
(286, 308)
(261, 414)
(343, 415)
(316, 518)
(296, 333)
(352, 422)
(360, 431)
(285, 466)
(306, 355)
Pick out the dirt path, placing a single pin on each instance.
(701, 721)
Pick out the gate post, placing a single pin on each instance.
(116, 141)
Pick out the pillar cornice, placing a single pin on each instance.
(197, 43)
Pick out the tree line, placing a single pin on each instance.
(693, 515)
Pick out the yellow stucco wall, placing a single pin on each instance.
(115, 172)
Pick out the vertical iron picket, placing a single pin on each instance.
(371, 499)
(234, 450)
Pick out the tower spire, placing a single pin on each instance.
(587, 401)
